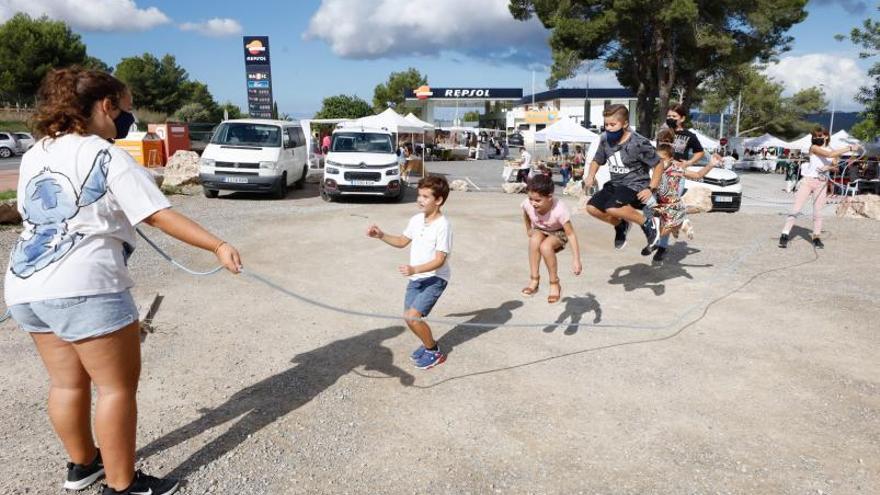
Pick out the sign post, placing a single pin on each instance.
(259, 76)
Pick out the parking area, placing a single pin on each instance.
(736, 367)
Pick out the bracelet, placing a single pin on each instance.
(219, 246)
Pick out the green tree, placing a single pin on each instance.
(29, 48)
(764, 109)
(343, 107)
(656, 48)
(161, 85)
(231, 109)
(391, 92)
(472, 116)
(866, 129)
(868, 37)
(193, 112)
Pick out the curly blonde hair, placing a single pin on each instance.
(66, 98)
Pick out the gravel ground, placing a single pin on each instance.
(758, 373)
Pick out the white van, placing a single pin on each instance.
(361, 161)
(254, 155)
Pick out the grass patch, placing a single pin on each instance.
(10, 194)
(13, 126)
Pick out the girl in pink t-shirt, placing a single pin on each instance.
(548, 226)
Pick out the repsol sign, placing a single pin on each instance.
(465, 93)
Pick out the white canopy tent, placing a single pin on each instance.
(802, 143)
(392, 121)
(417, 121)
(839, 139)
(765, 141)
(569, 131)
(706, 142)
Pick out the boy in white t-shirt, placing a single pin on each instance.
(429, 235)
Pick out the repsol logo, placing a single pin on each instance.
(256, 59)
(466, 93)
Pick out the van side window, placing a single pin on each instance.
(299, 137)
(3, 135)
(289, 138)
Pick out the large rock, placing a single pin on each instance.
(182, 169)
(513, 187)
(861, 206)
(9, 212)
(574, 188)
(459, 185)
(698, 199)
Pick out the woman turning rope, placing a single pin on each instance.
(814, 182)
(68, 282)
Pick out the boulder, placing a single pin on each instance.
(182, 169)
(861, 206)
(698, 199)
(513, 187)
(574, 188)
(9, 212)
(459, 185)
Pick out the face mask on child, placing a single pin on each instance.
(614, 137)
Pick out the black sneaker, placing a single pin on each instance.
(783, 241)
(620, 231)
(659, 255)
(646, 251)
(651, 229)
(817, 243)
(81, 476)
(145, 484)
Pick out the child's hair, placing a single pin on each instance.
(66, 98)
(818, 132)
(438, 186)
(665, 135)
(664, 147)
(541, 184)
(618, 111)
(679, 109)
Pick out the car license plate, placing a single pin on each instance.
(362, 182)
(236, 180)
(724, 199)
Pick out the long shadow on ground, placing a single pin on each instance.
(494, 317)
(575, 309)
(644, 276)
(264, 402)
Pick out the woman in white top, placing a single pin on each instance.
(68, 283)
(814, 182)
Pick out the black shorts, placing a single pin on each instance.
(612, 196)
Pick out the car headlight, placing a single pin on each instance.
(329, 163)
(206, 162)
(393, 171)
(331, 170)
(269, 165)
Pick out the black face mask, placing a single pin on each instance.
(672, 123)
(614, 137)
(819, 141)
(123, 123)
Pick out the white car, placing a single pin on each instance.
(724, 184)
(254, 155)
(361, 162)
(25, 140)
(9, 145)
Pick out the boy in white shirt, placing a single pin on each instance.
(430, 235)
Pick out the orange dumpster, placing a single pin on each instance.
(145, 147)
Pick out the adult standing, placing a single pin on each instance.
(525, 165)
(325, 144)
(68, 282)
(814, 182)
(687, 151)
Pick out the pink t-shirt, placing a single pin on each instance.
(553, 220)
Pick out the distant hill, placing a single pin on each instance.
(842, 120)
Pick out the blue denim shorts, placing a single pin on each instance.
(423, 294)
(77, 318)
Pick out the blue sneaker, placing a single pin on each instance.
(429, 359)
(416, 354)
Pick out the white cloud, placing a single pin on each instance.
(214, 27)
(92, 15)
(485, 29)
(841, 76)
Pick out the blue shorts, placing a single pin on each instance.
(422, 294)
(77, 318)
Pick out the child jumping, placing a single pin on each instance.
(430, 236)
(549, 229)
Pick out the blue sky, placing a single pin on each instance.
(352, 45)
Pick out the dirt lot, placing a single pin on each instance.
(736, 367)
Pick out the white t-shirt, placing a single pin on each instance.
(427, 240)
(526, 160)
(79, 197)
(812, 168)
